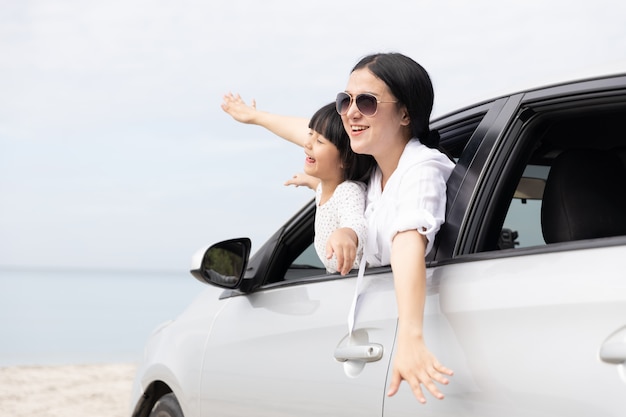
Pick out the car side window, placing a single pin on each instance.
(305, 265)
(571, 184)
(454, 140)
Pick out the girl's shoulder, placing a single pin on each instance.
(349, 186)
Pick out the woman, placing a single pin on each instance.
(386, 110)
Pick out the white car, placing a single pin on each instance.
(526, 295)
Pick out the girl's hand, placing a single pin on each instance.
(342, 243)
(234, 105)
(415, 364)
(303, 179)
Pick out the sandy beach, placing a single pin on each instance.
(102, 390)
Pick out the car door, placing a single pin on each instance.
(272, 352)
(284, 348)
(536, 328)
(524, 335)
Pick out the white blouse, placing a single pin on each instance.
(344, 209)
(414, 198)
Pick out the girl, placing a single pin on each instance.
(331, 169)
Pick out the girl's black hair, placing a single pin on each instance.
(409, 82)
(327, 122)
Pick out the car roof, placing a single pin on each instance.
(528, 90)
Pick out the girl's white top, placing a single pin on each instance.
(344, 209)
(414, 198)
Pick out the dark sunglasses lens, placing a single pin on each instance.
(343, 103)
(366, 104)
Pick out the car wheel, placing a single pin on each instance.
(167, 406)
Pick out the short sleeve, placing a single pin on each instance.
(421, 199)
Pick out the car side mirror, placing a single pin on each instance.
(223, 264)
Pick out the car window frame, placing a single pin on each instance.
(462, 185)
(476, 174)
(505, 163)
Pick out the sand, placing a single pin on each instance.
(68, 391)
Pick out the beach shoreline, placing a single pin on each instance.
(94, 390)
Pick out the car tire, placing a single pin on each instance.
(167, 406)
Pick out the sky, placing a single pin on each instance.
(115, 153)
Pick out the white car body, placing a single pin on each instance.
(532, 329)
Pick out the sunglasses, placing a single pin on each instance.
(366, 103)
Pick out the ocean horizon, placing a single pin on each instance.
(59, 316)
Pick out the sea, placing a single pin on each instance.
(74, 316)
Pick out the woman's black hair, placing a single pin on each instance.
(409, 82)
(327, 122)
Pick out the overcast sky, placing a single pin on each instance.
(114, 151)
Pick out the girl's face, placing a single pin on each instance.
(374, 135)
(322, 158)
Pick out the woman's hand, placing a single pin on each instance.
(293, 129)
(234, 105)
(415, 364)
(342, 243)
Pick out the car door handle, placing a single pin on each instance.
(613, 352)
(366, 353)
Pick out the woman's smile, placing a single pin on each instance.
(357, 129)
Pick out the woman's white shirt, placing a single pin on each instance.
(344, 209)
(414, 198)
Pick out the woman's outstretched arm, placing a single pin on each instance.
(413, 362)
(291, 128)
